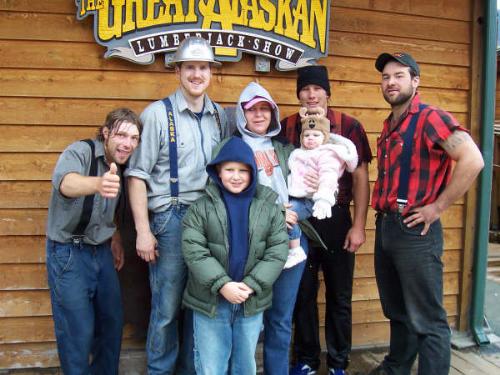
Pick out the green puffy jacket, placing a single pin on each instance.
(205, 248)
(283, 150)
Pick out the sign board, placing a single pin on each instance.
(292, 32)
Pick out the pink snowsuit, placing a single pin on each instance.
(330, 160)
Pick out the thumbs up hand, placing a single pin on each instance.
(109, 185)
(113, 169)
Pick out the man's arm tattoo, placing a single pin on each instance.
(456, 138)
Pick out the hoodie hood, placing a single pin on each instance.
(236, 150)
(250, 92)
(237, 205)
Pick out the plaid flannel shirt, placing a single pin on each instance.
(431, 167)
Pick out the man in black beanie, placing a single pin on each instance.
(313, 75)
(342, 234)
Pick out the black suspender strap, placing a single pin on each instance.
(405, 164)
(121, 206)
(88, 202)
(172, 148)
(172, 152)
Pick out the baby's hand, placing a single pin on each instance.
(322, 209)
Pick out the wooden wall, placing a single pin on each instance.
(55, 87)
(495, 198)
(497, 101)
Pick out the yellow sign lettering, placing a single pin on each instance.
(270, 10)
(178, 10)
(252, 7)
(319, 14)
(284, 15)
(190, 14)
(105, 30)
(288, 23)
(300, 15)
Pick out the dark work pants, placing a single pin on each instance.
(410, 282)
(338, 268)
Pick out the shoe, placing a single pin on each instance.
(336, 371)
(379, 370)
(302, 369)
(295, 256)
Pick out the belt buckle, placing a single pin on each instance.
(77, 239)
(402, 203)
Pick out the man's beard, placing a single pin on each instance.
(401, 98)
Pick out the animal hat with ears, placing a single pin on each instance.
(314, 119)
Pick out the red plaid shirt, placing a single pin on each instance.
(430, 164)
(342, 124)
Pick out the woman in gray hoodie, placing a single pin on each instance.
(257, 120)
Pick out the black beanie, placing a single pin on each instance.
(313, 75)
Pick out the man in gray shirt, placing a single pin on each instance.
(84, 287)
(166, 175)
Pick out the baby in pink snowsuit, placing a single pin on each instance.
(329, 155)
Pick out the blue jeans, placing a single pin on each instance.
(303, 208)
(409, 275)
(278, 319)
(226, 344)
(167, 279)
(86, 307)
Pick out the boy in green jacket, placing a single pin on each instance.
(235, 244)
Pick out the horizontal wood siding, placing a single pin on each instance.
(495, 194)
(56, 87)
(497, 101)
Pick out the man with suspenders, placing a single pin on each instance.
(166, 175)
(415, 184)
(81, 261)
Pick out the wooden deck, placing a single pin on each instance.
(473, 361)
